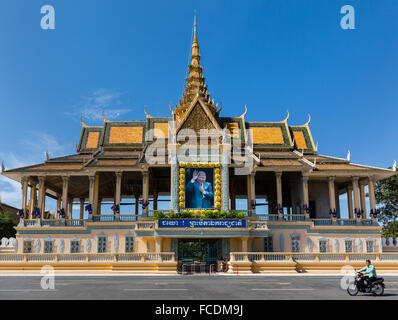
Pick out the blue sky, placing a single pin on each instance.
(271, 55)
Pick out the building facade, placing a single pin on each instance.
(132, 165)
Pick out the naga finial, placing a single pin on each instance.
(103, 116)
(244, 113)
(3, 167)
(81, 121)
(218, 112)
(47, 155)
(171, 109)
(147, 115)
(287, 118)
(309, 120)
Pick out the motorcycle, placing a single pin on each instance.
(361, 284)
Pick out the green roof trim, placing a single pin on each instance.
(84, 137)
(307, 137)
(286, 141)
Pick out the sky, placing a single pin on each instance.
(271, 55)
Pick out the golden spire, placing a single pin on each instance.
(195, 83)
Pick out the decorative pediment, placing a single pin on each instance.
(199, 117)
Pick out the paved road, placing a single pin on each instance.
(192, 287)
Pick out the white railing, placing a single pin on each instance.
(88, 257)
(293, 256)
(62, 222)
(322, 222)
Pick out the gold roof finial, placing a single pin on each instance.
(195, 83)
(81, 121)
(171, 108)
(309, 120)
(287, 117)
(103, 116)
(147, 115)
(195, 39)
(244, 113)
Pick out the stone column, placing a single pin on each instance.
(332, 196)
(70, 208)
(251, 193)
(24, 182)
(96, 193)
(279, 200)
(145, 192)
(355, 190)
(137, 199)
(33, 198)
(172, 148)
(158, 244)
(245, 244)
(118, 191)
(372, 198)
(363, 199)
(349, 201)
(306, 202)
(155, 201)
(233, 200)
(42, 195)
(81, 208)
(59, 198)
(225, 160)
(91, 194)
(65, 188)
(99, 207)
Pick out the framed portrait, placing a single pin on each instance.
(199, 188)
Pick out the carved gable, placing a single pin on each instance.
(197, 119)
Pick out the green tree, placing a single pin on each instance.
(386, 193)
(7, 225)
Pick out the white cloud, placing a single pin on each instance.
(91, 106)
(40, 142)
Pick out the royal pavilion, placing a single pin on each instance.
(273, 166)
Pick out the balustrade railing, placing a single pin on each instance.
(281, 218)
(321, 256)
(88, 257)
(322, 222)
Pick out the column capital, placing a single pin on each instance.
(65, 178)
(355, 179)
(372, 179)
(41, 179)
(331, 178)
(24, 179)
(118, 174)
(91, 178)
(145, 174)
(278, 174)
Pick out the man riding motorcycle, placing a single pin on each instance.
(370, 272)
(368, 283)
